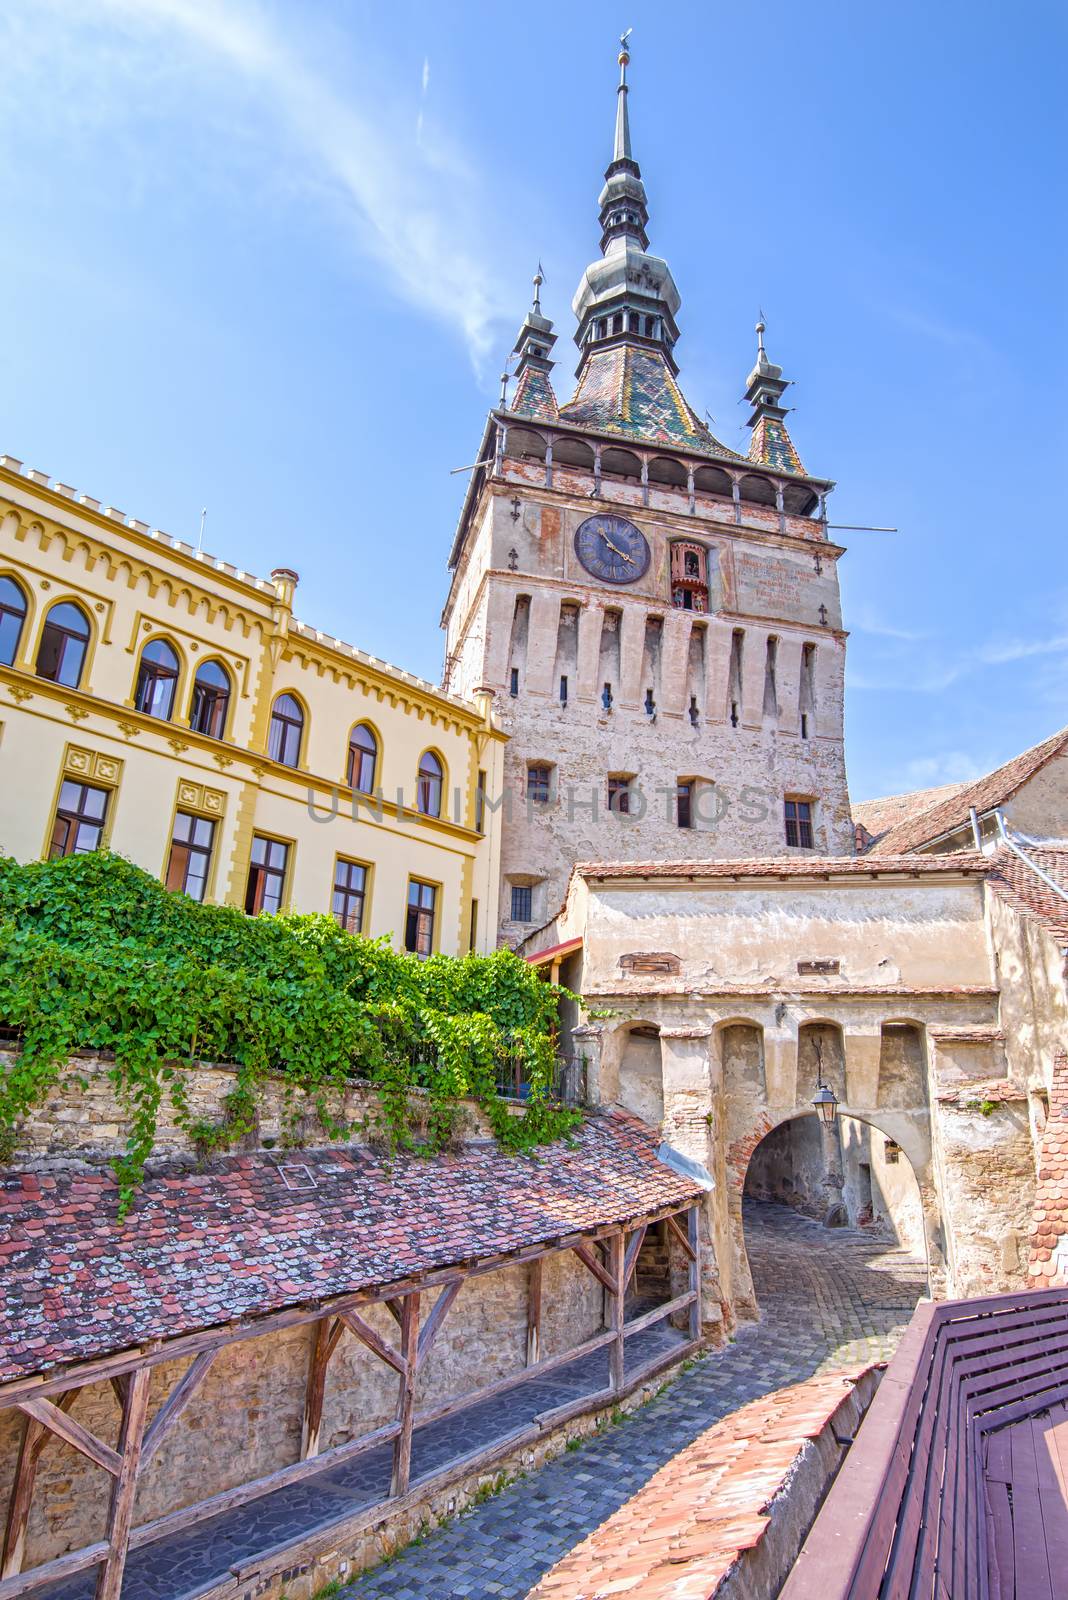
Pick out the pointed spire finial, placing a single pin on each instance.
(539, 279)
(621, 151)
(504, 391)
(761, 329)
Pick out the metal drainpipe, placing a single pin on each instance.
(1006, 838)
(977, 837)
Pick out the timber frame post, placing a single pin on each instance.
(693, 1237)
(534, 1312)
(616, 1316)
(402, 1445)
(120, 1511)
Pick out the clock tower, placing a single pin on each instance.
(657, 616)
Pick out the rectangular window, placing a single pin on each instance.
(473, 940)
(513, 682)
(80, 817)
(266, 875)
(619, 796)
(419, 927)
(521, 902)
(539, 783)
(190, 859)
(684, 805)
(480, 803)
(799, 823)
(563, 690)
(350, 891)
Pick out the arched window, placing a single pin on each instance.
(428, 790)
(64, 641)
(12, 616)
(211, 700)
(363, 758)
(157, 680)
(287, 729)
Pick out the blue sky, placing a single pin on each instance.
(268, 259)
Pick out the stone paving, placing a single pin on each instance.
(828, 1299)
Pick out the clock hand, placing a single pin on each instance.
(617, 551)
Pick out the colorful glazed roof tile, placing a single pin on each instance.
(630, 390)
(919, 827)
(201, 1248)
(534, 396)
(770, 444)
(703, 1516)
(1048, 1261)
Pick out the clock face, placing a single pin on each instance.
(612, 549)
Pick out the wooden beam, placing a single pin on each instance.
(393, 1306)
(658, 1313)
(534, 1313)
(432, 1327)
(72, 1433)
(693, 1233)
(120, 1512)
(615, 1311)
(402, 1445)
(35, 1437)
(588, 1259)
(316, 1388)
(682, 1235)
(367, 1335)
(175, 1403)
(630, 1260)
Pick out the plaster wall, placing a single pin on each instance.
(670, 713)
(1039, 808)
(1032, 965)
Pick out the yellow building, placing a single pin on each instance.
(157, 700)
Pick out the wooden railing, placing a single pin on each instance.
(906, 1518)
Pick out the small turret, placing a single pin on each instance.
(770, 442)
(534, 395)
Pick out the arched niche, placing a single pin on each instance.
(620, 464)
(641, 1074)
(820, 1057)
(713, 480)
(525, 444)
(664, 469)
(741, 1053)
(902, 1066)
(568, 452)
(799, 500)
(759, 491)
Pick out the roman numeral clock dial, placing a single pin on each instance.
(612, 549)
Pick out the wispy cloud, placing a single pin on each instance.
(866, 621)
(949, 766)
(413, 199)
(935, 329)
(998, 653)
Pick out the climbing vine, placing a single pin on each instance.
(95, 955)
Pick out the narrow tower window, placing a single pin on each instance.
(734, 677)
(563, 689)
(513, 683)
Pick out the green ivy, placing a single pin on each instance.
(95, 955)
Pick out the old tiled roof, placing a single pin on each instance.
(691, 1524)
(534, 396)
(877, 816)
(917, 829)
(1048, 1263)
(770, 444)
(236, 1241)
(786, 867)
(1013, 880)
(629, 390)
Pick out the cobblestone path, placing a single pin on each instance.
(829, 1299)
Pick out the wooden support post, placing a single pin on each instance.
(433, 1325)
(630, 1259)
(693, 1239)
(316, 1387)
(534, 1313)
(35, 1437)
(402, 1445)
(615, 1267)
(120, 1512)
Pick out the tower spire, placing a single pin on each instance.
(534, 395)
(621, 151)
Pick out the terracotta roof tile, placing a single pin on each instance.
(688, 1526)
(878, 816)
(984, 794)
(788, 867)
(201, 1248)
(1014, 881)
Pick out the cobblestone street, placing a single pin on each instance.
(828, 1299)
